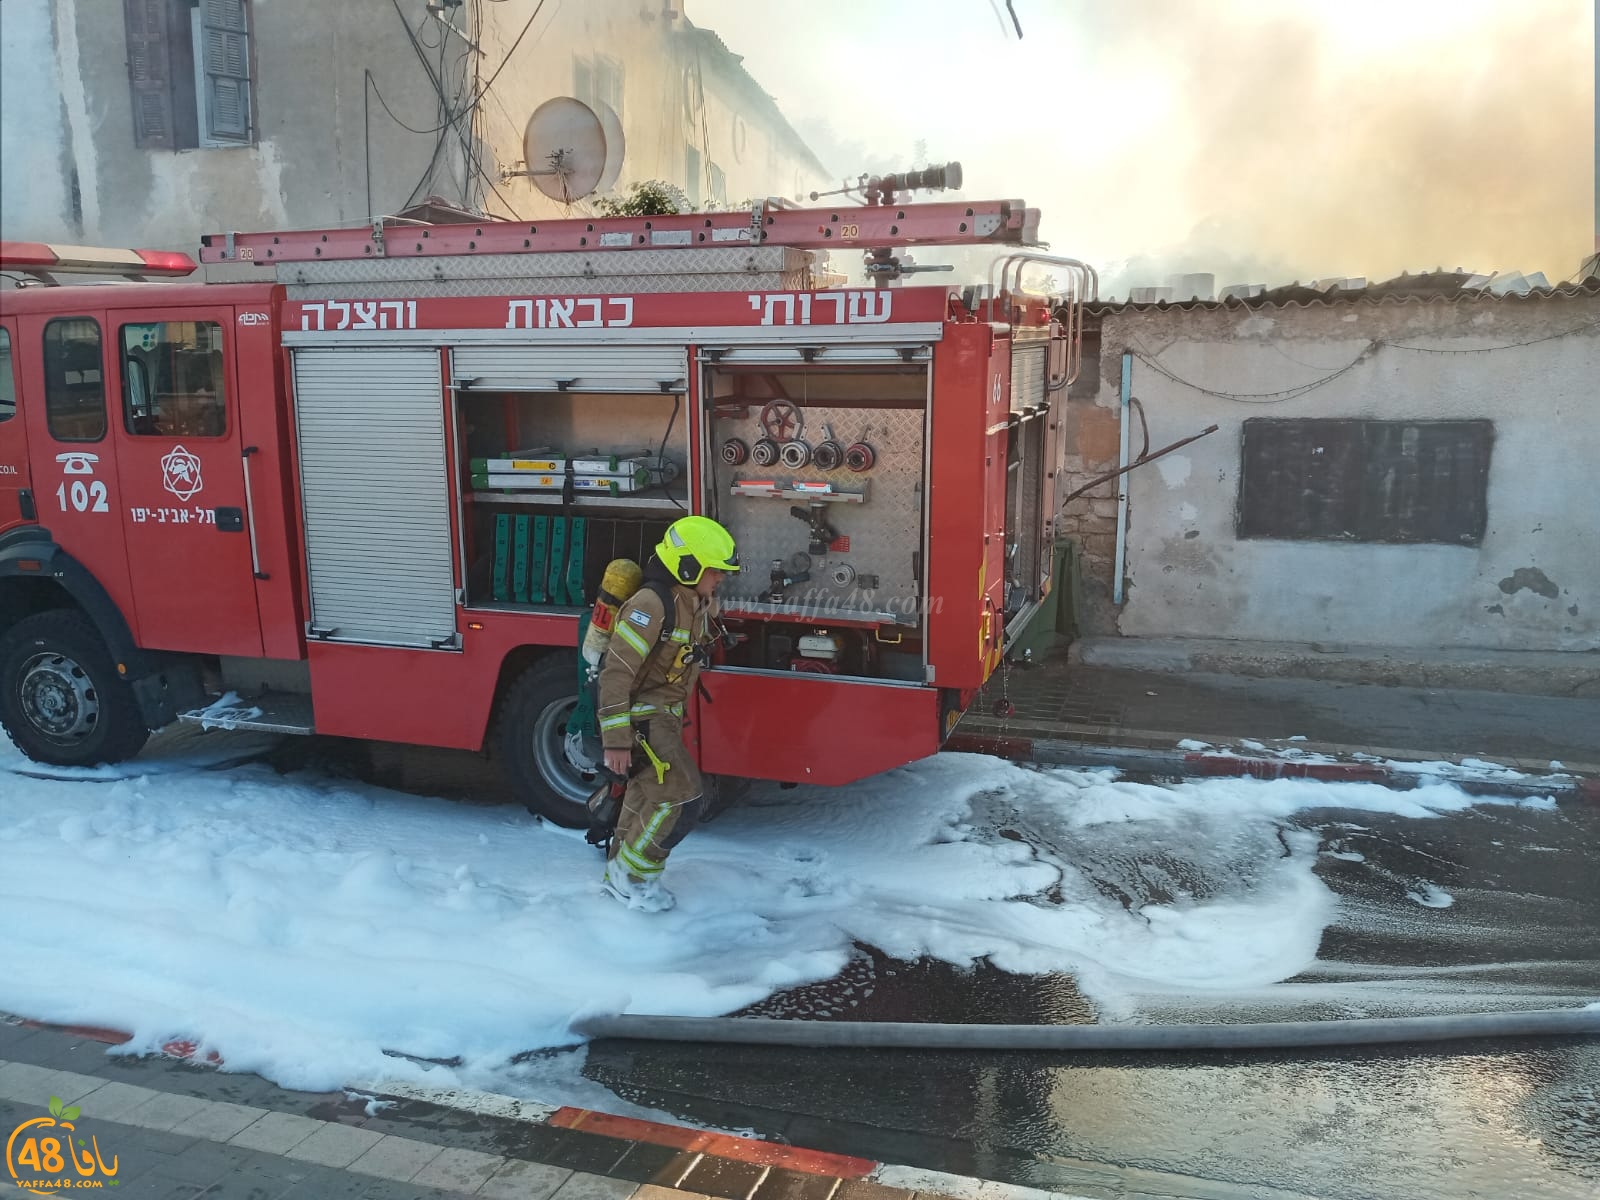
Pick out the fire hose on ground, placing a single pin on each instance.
(1271, 1035)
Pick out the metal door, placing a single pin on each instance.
(18, 505)
(62, 366)
(185, 509)
(375, 492)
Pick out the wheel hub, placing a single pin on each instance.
(58, 697)
(560, 756)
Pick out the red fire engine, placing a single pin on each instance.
(373, 497)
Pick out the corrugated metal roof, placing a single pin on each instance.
(1431, 287)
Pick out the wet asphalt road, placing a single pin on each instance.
(1494, 1119)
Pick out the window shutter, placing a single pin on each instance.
(226, 65)
(582, 81)
(149, 72)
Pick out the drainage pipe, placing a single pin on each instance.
(1122, 486)
(1548, 1022)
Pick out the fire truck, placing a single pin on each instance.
(372, 495)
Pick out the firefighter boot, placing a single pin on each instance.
(641, 895)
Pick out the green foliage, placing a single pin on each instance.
(649, 198)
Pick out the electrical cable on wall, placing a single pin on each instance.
(1278, 397)
(1369, 350)
(453, 111)
(1590, 327)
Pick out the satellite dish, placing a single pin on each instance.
(612, 124)
(564, 146)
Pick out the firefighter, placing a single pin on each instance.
(649, 672)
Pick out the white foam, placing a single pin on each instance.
(299, 926)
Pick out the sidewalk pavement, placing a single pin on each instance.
(172, 1129)
(1065, 713)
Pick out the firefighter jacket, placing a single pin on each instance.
(653, 661)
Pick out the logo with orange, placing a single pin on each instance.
(46, 1155)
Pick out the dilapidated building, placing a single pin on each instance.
(1409, 467)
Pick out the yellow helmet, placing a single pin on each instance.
(692, 544)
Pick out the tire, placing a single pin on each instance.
(61, 699)
(531, 746)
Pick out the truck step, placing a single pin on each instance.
(270, 712)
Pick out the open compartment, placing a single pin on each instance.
(818, 471)
(556, 484)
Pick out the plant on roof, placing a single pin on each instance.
(648, 198)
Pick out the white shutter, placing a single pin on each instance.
(375, 488)
(572, 368)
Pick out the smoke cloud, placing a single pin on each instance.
(1463, 142)
(1261, 140)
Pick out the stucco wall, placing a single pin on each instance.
(1533, 583)
(668, 68)
(66, 109)
(35, 164)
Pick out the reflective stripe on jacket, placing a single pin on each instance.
(644, 672)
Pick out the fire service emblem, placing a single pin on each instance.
(180, 473)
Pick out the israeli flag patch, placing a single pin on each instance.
(639, 617)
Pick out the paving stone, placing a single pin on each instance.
(164, 1111)
(324, 1183)
(135, 1164)
(654, 1191)
(395, 1158)
(516, 1140)
(583, 1186)
(465, 1131)
(861, 1189)
(29, 1084)
(646, 1162)
(390, 1189)
(795, 1185)
(206, 1162)
(335, 1145)
(459, 1170)
(591, 1152)
(249, 1183)
(84, 1055)
(722, 1177)
(218, 1120)
(160, 1186)
(519, 1179)
(114, 1101)
(276, 1133)
(14, 1039)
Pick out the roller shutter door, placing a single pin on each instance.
(575, 368)
(375, 490)
(1028, 374)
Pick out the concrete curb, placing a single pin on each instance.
(706, 1158)
(1061, 752)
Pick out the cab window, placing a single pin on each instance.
(74, 381)
(172, 379)
(8, 379)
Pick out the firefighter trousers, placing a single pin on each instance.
(655, 816)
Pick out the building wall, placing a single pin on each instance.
(1532, 584)
(33, 119)
(681, 89)
(320, 128)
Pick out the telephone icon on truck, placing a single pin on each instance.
(76, 462)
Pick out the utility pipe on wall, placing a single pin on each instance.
(1122, 486)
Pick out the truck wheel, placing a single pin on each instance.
(61, 699)
(549, 775)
